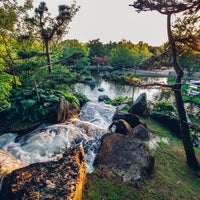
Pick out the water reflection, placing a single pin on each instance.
(115, 90)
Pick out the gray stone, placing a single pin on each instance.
(101, 89)
(103, 98)
(125, 157)
(141, 132)
(131, 119)
(139, 107)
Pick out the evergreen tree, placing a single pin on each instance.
(52, 28)
(170, 8)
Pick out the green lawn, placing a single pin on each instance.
(171, 180)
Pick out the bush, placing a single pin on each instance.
(118, 101)
(31, 105)
(164, 107)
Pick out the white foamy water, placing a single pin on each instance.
(49, 142)
(98, 113)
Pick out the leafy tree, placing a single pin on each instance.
(127, 54)
(74, 46)
(97, 48)
(122, 55)
(6, 81)
(10, 16)
(52, 29)
(187, 35)
(190, 60)
(186, 32)
(109, 46)
(141, 52)
(170, 8)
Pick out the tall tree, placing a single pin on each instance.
(170, 8)
(123, 55)
(10, 16)
(96, 48)
(52, 28)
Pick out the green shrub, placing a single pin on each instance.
(118, 101)
(30, 105)
(164, 107)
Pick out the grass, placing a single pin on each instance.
(171, 179)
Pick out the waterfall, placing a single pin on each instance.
(48, 142)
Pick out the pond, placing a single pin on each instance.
(115, 90)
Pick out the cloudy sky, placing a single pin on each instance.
(112, 20)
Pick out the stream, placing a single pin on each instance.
(48, 142)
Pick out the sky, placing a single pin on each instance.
(111, 20)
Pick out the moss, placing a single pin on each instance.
(100, 188)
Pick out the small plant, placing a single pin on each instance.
(164, 107)
(133, 81)
(171, 80)
(118, 101)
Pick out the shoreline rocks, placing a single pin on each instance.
(62, 179)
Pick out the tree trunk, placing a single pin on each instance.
(184, 128)
(47, 46)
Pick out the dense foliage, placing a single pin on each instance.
(164, 107)
(23, 54)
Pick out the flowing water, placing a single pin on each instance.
(48, 142)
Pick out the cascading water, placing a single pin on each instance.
(48, 142)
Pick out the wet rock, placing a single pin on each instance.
(92, 83)
(131, 119)
(121, 126)
(61, 111)
(141, 132)
(17, 126)
(101, 89)
(125, 157)
(62, 179)
(168, 121)
(139, 107)
(103, 98)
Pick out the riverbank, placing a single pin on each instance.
(172, 179)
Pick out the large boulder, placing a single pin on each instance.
(61, 111)
(62, 179)
(124, 156)
(8, 163)
(131, 119)
(17, 126)
(139, 107)
(168, 121)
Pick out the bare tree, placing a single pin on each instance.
(170, 8)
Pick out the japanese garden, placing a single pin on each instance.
(94, 120)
